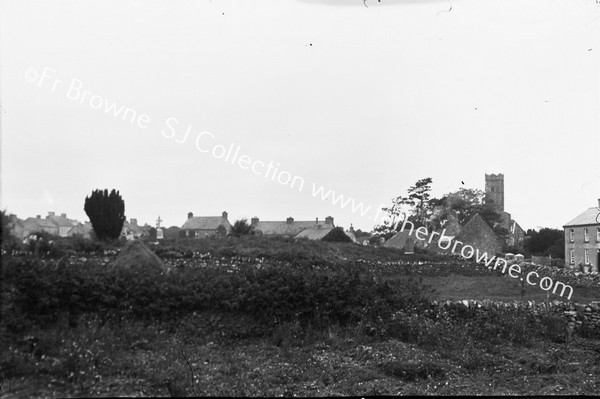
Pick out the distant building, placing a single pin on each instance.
(478, 234)
(289, 227)
(82, 229)
(37, 224)
(494, 194)
(205, 226)
(16, 226)
(314, 234)
(351, 234)
(582, 239)
(131, 229)
(63, 224)
(404, 240)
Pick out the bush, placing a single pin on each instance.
(337, 235)
(274, 293)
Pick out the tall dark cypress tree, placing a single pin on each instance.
(106, 212)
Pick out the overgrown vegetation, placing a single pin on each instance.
(258, 316)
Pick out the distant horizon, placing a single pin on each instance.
(304, 108)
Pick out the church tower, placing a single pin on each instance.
(494, 190)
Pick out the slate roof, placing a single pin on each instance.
(205, 223)
(398, 240)
(479, 234)
(33, 223)
(133, 227)
(289, 229)
(589, 216)
(314, 234)
(61, 221)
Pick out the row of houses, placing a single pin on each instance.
(206, 226)
(62, 226)
(59, 225)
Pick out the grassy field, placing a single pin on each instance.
(457, 287)
(217, 326)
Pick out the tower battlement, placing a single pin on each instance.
(494, 190)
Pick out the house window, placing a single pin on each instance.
(572, 256)
(587, 256)
(187, 233)
(586, 236)
(196, 233)
(571, 233)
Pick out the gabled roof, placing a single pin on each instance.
(314, 234)
(475, 229)
(39, 223)
(290, 229)
(205, 223)
(61, 221)
(589, 216)
(350, 234)
(398, 240)
(133, 227)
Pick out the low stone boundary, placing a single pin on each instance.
(576, 314)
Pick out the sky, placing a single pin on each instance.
(262, 108)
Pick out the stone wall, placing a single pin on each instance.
(577, 315)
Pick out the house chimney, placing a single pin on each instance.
(50, 214)
(224, 215)
(38, 216)
(329, 220)
(63, 215)
(317, 221)
(190, 215)
(290, 220)
(133, 222)
(351, 228)
(254, 221)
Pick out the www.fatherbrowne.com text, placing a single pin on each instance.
(445, 242)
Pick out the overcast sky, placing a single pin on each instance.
(361, 100)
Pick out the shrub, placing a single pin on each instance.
(241, 228)
(273, 293)
(106, 212)
(337, 235)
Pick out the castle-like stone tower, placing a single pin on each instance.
(494, 190)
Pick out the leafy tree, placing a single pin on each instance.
(241, 228)
(545, 242)
(416, 207)
(8, 240)
(464, 203)
(106, 212)
(221, 230)
(5, 227)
